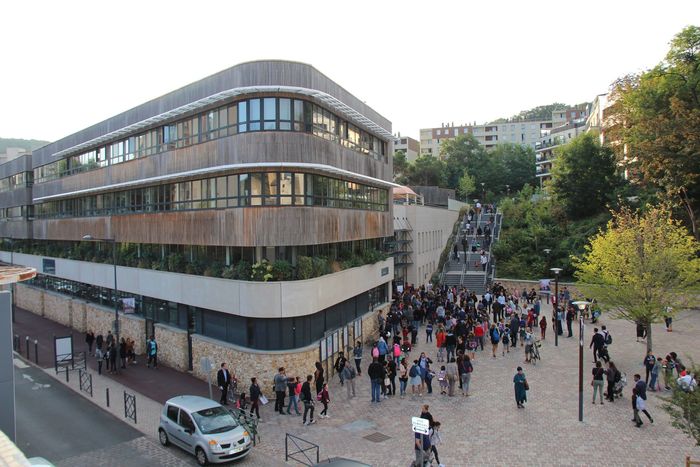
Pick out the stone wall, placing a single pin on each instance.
(247, 364)
(172, 346)
(370, 325)
(99, 319)
(78, 315)
(30, 298)
(57, 308)
(515, 284)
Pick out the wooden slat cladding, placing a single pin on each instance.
(253, 226)
(255, 147)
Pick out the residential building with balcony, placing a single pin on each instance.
(249, 212)
(545, 151)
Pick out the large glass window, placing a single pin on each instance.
(242, 116)
(254, 115)
(270, 113)
(285, 120)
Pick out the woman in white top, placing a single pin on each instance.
(435, 440)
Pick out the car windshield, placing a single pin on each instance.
(214, 420)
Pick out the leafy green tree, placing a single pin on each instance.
(400, 166)
(459, 154)
(426, 170)
(583, 176)
(467, 186)
(684, 408)
(640, 265)
(656, 119)
(512, 165)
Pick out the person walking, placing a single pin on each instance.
(308, 401)
(414, 373)
(543, 327)
(255, 394)
(639, 405)
(668, 366)
(466, 374)
(122, 352)
(521, 387)
(569, 320)
(649, 362)
(655, 370)
(391, 370)
(598, 382)
(349, 375)
(597, 343)
(318, 377)
(613, 375)
(325, 399)
(223, 380)
(152, 352)
(292, 384)
(89, 340)
(375, 371)
(403, 377)
(340, 363)
(112, 352)
(452, 373)
(99, 357)
(495, 338)
(280, 382)
(435, 440)
(357, 355)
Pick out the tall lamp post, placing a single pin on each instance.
(547, 251)
(581, 305)
(556, 272)
(507, 190)
(483, 192)
(90, 238)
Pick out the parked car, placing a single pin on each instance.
(204, 428)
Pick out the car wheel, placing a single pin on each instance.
(163, 437)
(201, 456)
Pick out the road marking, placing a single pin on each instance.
(27, 377)
(19, 363)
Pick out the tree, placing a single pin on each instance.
(684, 409)
(656, 119)
(426, 170)
(642, 264)
(583, 176)
(467, 186)
(512, 165)
(459, 155)
(400, 166)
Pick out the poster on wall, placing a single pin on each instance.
(544, 284)
(128, 305)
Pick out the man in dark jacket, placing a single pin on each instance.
(376, 374)
(280, 387)
(597, 343)
(569, 319)
(223, 379)
(339, 365)
(514, 328)
(307, 400)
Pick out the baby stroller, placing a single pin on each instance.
(619, 386)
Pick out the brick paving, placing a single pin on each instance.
(484, 429)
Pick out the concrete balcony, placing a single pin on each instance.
(243, 298)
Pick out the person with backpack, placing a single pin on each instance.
(349, 375)
(466, 374)
(495, 338)
(505, 340)
(606, 335)
(375, 371)
(597, 381)
(414, 375)
(152, 352)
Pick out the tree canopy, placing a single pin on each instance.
(583, 176)
(655, 116)
(640, 265)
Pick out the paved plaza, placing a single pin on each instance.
(484, 429)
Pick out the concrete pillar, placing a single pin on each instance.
(7, 375)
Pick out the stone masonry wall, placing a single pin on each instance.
(518, 285)
(247, 364)
(57, 308)
(99, 319)
(30, 299)
(78, 315)
(172, 346)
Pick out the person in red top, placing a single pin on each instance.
(440, 342)
(325, 399)
(479, 333)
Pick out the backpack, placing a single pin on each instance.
(608, 338)
(618, 376)
(495, 336)
(505, 338)
(413, 372)
(319, 396)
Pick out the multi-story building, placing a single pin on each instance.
(545, 149)
(249, 213)
(526, 132)
(408, 145)
(421, 233)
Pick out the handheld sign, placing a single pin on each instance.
(420, 425)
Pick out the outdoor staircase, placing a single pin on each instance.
(467, 272)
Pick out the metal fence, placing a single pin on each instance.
(302, 447)
(130, 406)
(85, 381)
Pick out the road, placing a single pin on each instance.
(56, 423)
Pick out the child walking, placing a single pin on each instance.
(325, 399)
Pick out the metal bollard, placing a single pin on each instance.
(27, 341)
(36, 351)
(16, 342)
(67, 375)
(107, 394)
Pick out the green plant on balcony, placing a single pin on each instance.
(321, 266)
(229, 272)
(213, 269)
(261, 271)
(305, 267)
(243, 271)
(282, 270)
(176, 262)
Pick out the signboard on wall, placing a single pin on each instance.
(48, 266)
(128, 304)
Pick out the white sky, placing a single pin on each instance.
(67, 65)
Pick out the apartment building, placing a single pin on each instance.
(246, 214)
(408, 145)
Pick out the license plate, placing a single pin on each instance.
(235, 450)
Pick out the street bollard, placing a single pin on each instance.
(107, 394)
(27, 340)
(67, 375)
(36, 351)
(17, 347)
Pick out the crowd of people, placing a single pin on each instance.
(113, 355)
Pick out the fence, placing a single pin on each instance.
(85, 381)
(295, 441)
(130, 406)
(689, 463)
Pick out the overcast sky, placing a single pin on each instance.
(67, 65)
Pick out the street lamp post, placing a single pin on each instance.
(507, 190)
(581, 306)
(547, 251)
(90, 238)
(555, 316)
(483, 192)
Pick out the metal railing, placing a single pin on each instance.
(85, 380)
(248, 422)
(296, 441)
(130, 406)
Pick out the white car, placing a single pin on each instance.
(204, 428)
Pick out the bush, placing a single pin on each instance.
(176, 263)
(213, 270)
(321, 266)
(282, 270)
(243, 271)
(261, 271)
(305, 267)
